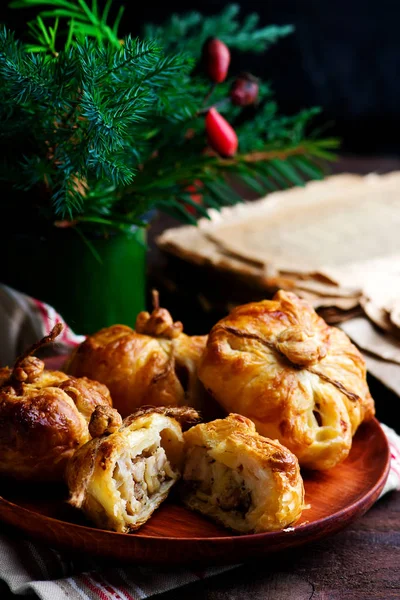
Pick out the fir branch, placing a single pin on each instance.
(86, 130)
(110, 130)
(69, 196)
(133, 54)
(25, 76)
(192, 30)
(111, 167)
(46, 37)
(83, 22)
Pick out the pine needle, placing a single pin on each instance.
(109, 130)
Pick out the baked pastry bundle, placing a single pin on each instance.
(299, 380)
(155, 364)
(295, 387)
(44, 416)
(119, 478)
(247, 482)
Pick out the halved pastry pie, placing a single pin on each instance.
(299, 380)
(155, 364)
(237, 477)
(121, 477)
(44, 416)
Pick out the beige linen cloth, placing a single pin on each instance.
(335, 242)
(29, 567)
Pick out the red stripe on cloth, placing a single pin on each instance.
(395, 451)
(67, 336)
(101, 580)
(119, 581)
(93, 588)
(43, 311)
(126, 593)
(395, 460)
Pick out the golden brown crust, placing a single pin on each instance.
(28, 370)
(243, 480)
(39, 431)
(185, 415)
(41, 428)
(281, 365)
(155, 365)
(45, 379)
(104, 420)
(86, 394)
(44, 418)
(101, 476)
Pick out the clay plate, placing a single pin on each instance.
(175, 535)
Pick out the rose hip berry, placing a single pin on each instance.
(216, 58)
(221, 136)
(244, 90)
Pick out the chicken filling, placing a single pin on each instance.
(138, 479)
(215, 483)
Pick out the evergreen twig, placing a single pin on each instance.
(101, 125)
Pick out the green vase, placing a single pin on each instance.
(89, 292)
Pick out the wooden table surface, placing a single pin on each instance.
(360, 563)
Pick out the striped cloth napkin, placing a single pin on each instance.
(28, 567)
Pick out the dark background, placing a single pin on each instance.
(343, 56)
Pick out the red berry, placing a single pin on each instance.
(216, 57)
(194, 194)
(221, 136)
(244, 90)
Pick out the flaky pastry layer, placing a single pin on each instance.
(247, 482)
(119, 479)
(298, 379)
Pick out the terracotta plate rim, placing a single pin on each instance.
(357, 507)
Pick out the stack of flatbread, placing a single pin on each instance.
(334, 242)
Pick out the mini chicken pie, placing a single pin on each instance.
(299, 380)
(44, 416)
(155, 364)
(247, 482)
(119, 478)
